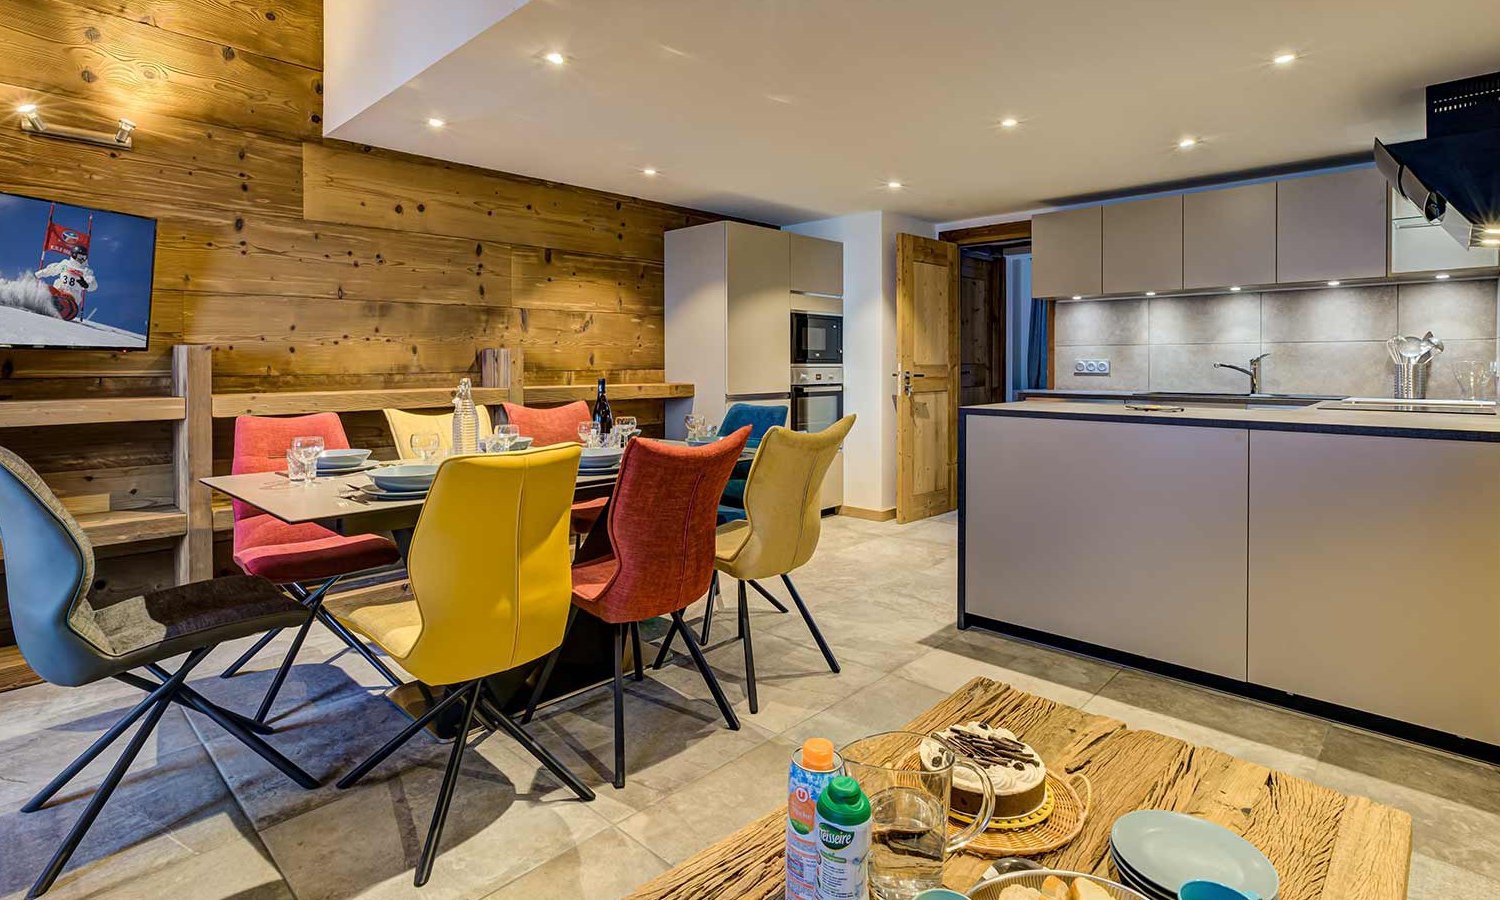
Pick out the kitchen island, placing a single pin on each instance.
(1344, 562)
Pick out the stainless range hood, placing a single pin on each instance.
(1453, 175)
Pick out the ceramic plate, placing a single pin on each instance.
(408, 477)
(1167, 848)
(1133, 880)
(377, 493)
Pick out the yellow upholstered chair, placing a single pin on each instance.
(405, 424)
(780, 531)
(485, 598)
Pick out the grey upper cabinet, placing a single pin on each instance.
(1143, 246)
(1229, 237)
(1067, 250)
(759, 347)
(817, 266)
(1332, 226)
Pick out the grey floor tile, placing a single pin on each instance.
(1461, 780)
(886, 705)
(609, 864)
(1433, 879)
(1270, 756)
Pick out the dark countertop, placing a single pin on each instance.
(1441, 426)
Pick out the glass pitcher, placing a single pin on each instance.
(907, 777)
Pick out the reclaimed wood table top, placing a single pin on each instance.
(1326, 845)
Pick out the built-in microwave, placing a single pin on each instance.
(817, 339)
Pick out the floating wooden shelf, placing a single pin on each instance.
(34, 413)
(563, 393)
(129, 526)
(303, 402)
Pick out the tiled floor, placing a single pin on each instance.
(201, 818)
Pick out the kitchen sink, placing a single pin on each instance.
(1227, 401)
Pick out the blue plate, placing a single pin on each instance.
(397, 479)
(1166, 849)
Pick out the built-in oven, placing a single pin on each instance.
(818, 402)
(817, 339)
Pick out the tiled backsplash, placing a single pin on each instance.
(1324, 341)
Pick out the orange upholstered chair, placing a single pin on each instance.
(557, 425)
(306, 560)
(661, 530)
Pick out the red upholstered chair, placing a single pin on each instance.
(557, 425)
(306, 560)
(661, 529)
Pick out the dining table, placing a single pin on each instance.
(336, 501)
(1325, 845)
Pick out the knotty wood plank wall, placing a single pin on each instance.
(306, 264)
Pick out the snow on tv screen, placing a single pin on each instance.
(73, 277)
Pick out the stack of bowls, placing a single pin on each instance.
(336, 462)
(401, 482)
(1156, 852)
(599, 459)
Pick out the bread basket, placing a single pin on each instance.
(990, 888)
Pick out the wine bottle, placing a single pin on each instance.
(603, 417)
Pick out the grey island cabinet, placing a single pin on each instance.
(1346, 563)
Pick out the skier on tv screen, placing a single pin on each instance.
(73, 277)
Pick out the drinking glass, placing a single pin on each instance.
(588, 434)
(426, 445)
(694, 425)
(626, 426)
(506, 435)
(1476, 379)
(909, 809)
(306, 450)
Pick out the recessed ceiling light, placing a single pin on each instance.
(1151, 293)
(435, 123)
(1009, 122)
(1077, 296)
(1334, 283)
(1187, 143)
(1491, 242)
(1284, 59)
(26, 109)
(649, 172)
(893, 185)
(555, 58)
(1486, 231)
(1441, 276)
(1234, 287)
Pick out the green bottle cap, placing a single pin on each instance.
(844, 802)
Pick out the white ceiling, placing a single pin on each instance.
(790, 110)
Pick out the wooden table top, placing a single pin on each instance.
(325, 498)
(1325, 845)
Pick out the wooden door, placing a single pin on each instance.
(927, 355)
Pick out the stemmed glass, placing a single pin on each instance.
(426, 445)
(506, 436)
(695, 424)
(627, 428)
(305, 450)
(588, 434)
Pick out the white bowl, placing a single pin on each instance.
(404, 478)
(600, 457)
(342, 459)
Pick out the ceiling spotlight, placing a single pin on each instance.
(1077, 296)
(893, 185)
(118, 139)
(1492, 230)
(1151, 293)
(1334, 283)
(1009, 122)
(1234, 287)
(436, 123)
(555, 58)
(1187, 143)
(649, 173)
(1441, 276)
(1284, 59)
(1491, 242)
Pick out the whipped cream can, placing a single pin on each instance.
(813, 766)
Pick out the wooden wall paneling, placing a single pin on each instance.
(140, 372)
(288, 30)
(192, 457)
(343, 183)
(255, 254)
(60, 47)
(557, 279)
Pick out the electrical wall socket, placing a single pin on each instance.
(1090, 367)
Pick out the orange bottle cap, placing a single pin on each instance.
(817, 754)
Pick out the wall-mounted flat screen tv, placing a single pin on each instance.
(73, 277)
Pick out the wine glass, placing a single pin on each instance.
(694, 425)
(626, 426)
(588, 434)
(506, 435)
(426, 445)
(306, 450)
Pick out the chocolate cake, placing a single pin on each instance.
(1015, 770)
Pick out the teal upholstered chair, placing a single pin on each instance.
(761, 418)
(69, 641)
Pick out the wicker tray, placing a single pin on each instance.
(1070, 798)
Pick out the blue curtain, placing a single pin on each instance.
(1036, 346)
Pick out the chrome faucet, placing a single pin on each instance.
(1253, 371)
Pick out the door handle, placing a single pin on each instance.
(906, 377)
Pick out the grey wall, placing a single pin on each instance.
(1324, 341)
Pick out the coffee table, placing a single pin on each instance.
(1325, 845)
